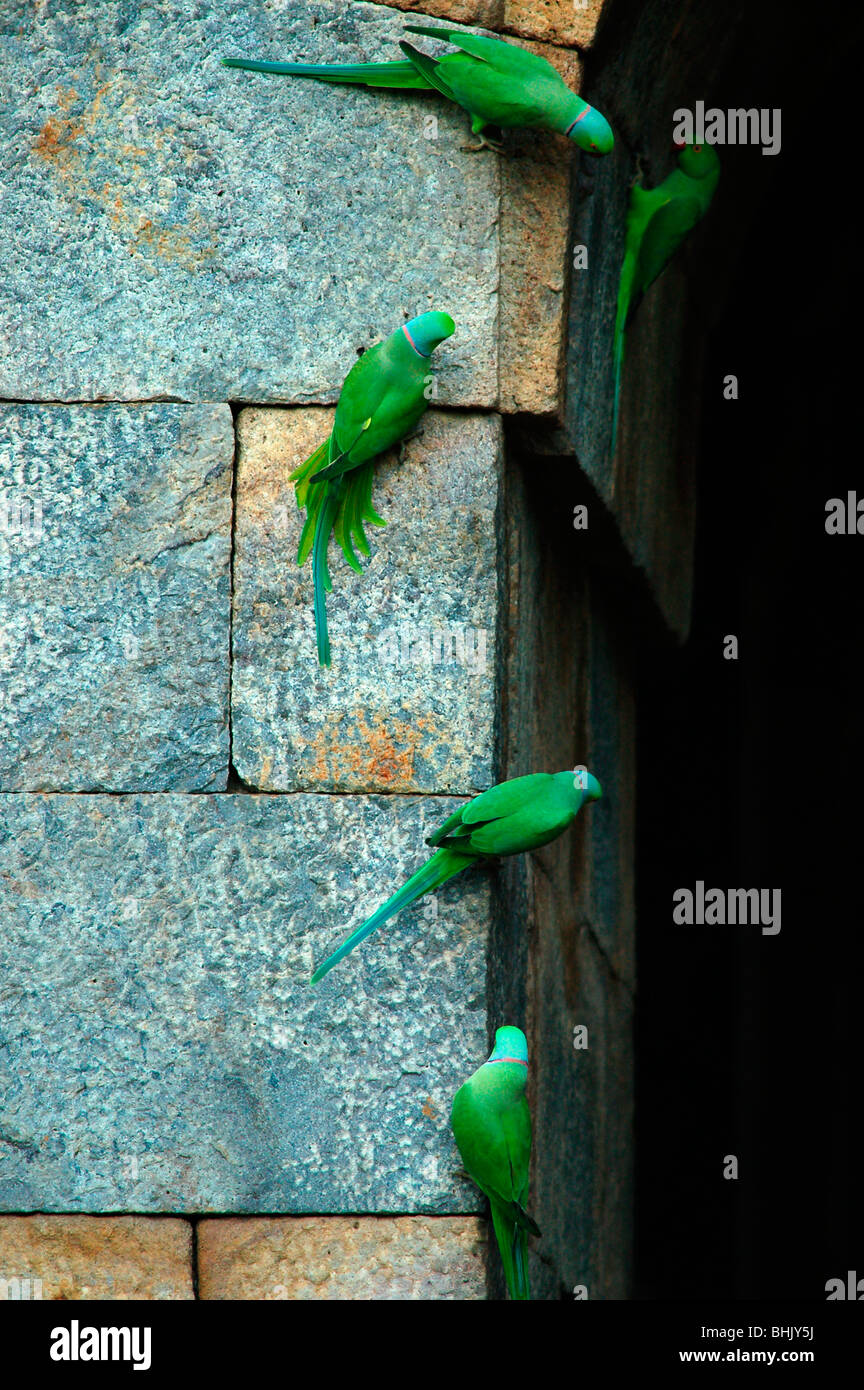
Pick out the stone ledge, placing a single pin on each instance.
(404, 1257)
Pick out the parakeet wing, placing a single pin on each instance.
(505, 57)
(495, 1147)
(362, 392)
(534, 825)
(663, 235)
(507, 797)
(508, 819)
(451, 825)
(497, 801)
(428, 69)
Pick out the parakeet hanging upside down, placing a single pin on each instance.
(512, 818)
(658, 220)
(491, 1124)
(382, 399)
(497, 83)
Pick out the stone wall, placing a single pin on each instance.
(191, 810)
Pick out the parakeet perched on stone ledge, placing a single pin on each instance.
(382, 399)
(511, 818)
(491, 1124)
(497, 83)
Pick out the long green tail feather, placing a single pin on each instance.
(443, 865)
(354, 518)
(367, 511)
(344, 538)
(356, 508)
(620, 337)
(338, 507)
(302, 476)
(520, 1264)
(401, 75)
(513, 1246)
(321, 575)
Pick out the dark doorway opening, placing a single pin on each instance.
(750, 770)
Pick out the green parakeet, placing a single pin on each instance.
(491, 1124)
(382, 399)
(497, 83)
(658, 220)
(512, 818)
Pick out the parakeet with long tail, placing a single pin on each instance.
(491, 1124)
(497, 83)
(382, 399)
(512, 818)
(658, 221)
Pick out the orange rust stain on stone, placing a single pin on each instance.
(428, 1108)
(57, 144)
(55, 137)
(367, 753)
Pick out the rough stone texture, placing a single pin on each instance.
(169, 227)
(115, 539)
(162, 1049)
(535, 230)
(406, 1257)
(569, 22)
(391, 714)
(98, 1257)
(487, 14)
(535, 234)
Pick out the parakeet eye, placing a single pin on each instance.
(697, 149)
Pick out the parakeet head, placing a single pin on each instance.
(510, 1046)
(428, 330)
(698, 161)
(591, 131)
(581, 786)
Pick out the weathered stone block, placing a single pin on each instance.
(162, 1048)
(409, 703)
(403, 1257)
(171, 227)
(96, 1257)
(115, 541)
(488, 14)
(569, 22)
(535, 230)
